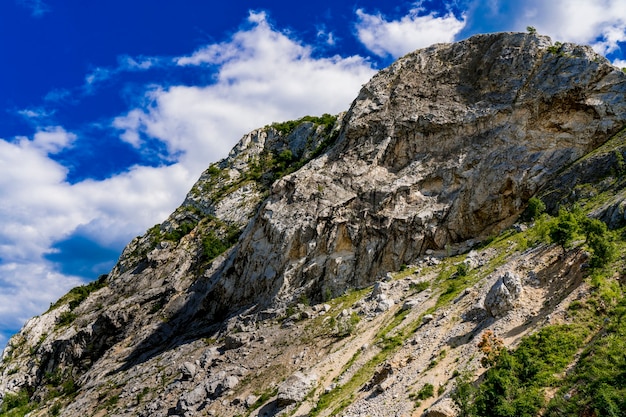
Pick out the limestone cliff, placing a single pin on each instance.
(257, 275)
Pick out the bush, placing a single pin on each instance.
(603, 250)
(514, 385)
(462, 269)
(427, 391)
(534, 209)
(66, 318)
(563, 230)
(16, 403)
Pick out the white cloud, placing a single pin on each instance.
(601, 24)
(262, 75)
(620, 63)
(39, 207)
(28, 289)
(411, 32)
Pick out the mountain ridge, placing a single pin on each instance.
(437, 152)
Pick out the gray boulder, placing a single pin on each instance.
(503, 295)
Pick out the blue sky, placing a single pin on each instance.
(110, 110)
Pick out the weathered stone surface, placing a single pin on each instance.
(502, 296)
(445, 145)
(410, 304)
(442, 408)
(295, 388)
(236, 340)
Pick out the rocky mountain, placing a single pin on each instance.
(374, 263)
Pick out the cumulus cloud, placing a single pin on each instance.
(620, 63)
(601, 24)
(39, 207)
(261, 75)
(413, 31)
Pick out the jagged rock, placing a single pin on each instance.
(410, 304)
(427, 318)
(383, 303)
(442, 408)
(433, 148)
(219, 383)
(251, 400)
(193, 400)
(295, 388)
(502, 296)
(237, 340)
(188, 370)
(379, 288)
(439, 150)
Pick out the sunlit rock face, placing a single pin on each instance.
(445, 145)
(442, 148)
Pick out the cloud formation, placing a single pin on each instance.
(413, 31)
(261, 75)
(601, 24)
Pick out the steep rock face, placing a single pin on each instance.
(445, 145)
(161, 278)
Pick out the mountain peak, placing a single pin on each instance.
(300, 239)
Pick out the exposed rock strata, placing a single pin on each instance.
(444, 146)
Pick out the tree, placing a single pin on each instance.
(531, 30)
(563, 230)
(603, 249)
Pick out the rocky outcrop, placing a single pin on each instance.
(443, 408)
(502, 297)
(211, 310)
(295, 388)
(445, 145)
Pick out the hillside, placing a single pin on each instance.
(391, 260)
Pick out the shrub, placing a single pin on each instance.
(603, 251)
(66, 318)
(563, 230)
(20, 401)
(419, 286)
(427, 391)
(534, 209)
(462, 269)
(514, 385)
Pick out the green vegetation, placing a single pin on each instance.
(390, 338)
(556, 48)
(531, 30)
(514, 385)
(419, 286)
(17, 405)
(462, 269)
(597, 386)
(572, 226)
(214, 244)
(66, 318)
(534, 209)
(79, 294)
(326, 120)
(516, 381)
(563, 230)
